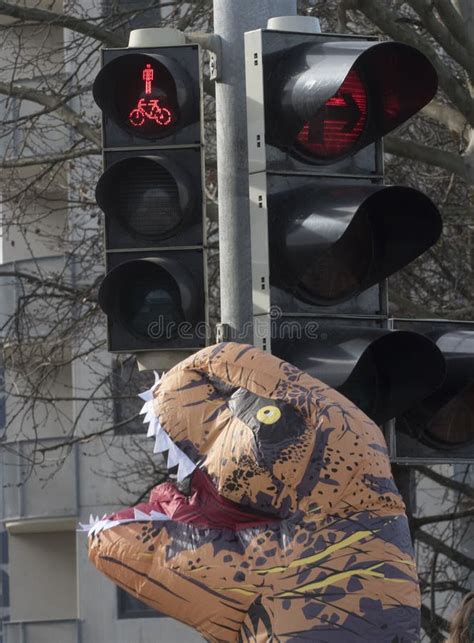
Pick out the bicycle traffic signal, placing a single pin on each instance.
(326, 231)
(151, 192)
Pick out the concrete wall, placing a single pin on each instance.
(42, 576)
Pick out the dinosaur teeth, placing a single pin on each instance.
(153, 427)
(162, 441)
(174, 455)
(140, 515)
(145, 408)
(96, 525)
(185, 468)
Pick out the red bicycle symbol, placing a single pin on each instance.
(150, 110)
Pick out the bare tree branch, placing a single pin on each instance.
(108, 38)
(81, 439)
(432, 624)
(441, 547)
(454, 23)
(381, 16)
(428, 520)
(48, 159)
(63, 111)
(424, 8)
(426, 154)
(447, 116)
(46, 283)
(449, 483)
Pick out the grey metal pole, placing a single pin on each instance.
(232, 18)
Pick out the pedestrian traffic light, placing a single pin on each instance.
(151, 193)
(326, 231)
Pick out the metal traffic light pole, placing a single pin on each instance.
(231, 19)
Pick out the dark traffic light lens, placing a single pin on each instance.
(152, 298)
(150, 198)
(453, 424)
(150, 306)
(342, 268)
(336, 128)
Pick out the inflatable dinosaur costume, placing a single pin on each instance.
(288, 525)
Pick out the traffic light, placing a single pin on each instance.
(326, 231)
(359, 362)
(151, 193)
(440, 426)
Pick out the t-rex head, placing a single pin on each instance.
(280, 517)
(248, 420)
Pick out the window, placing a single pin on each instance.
(130, 607)
(126, 383)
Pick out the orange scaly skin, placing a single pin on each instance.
(336, 566)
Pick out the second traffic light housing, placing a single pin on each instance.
(327, 232)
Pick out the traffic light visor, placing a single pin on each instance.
(331, 99)
(330, 243)
(395, 371)
(383, 372)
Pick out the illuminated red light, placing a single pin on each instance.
(150, 109)
(337, 126)
(147, 76)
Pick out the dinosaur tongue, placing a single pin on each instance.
(204, 507)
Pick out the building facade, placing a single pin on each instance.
(49, 591)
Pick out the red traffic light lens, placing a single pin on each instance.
(153, 108)
(146, 100)
(143, 94)
(336, 128)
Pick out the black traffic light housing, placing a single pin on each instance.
(326, 231)
(152, 199)
(152, 196)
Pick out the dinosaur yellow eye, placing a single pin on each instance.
(268, 414)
